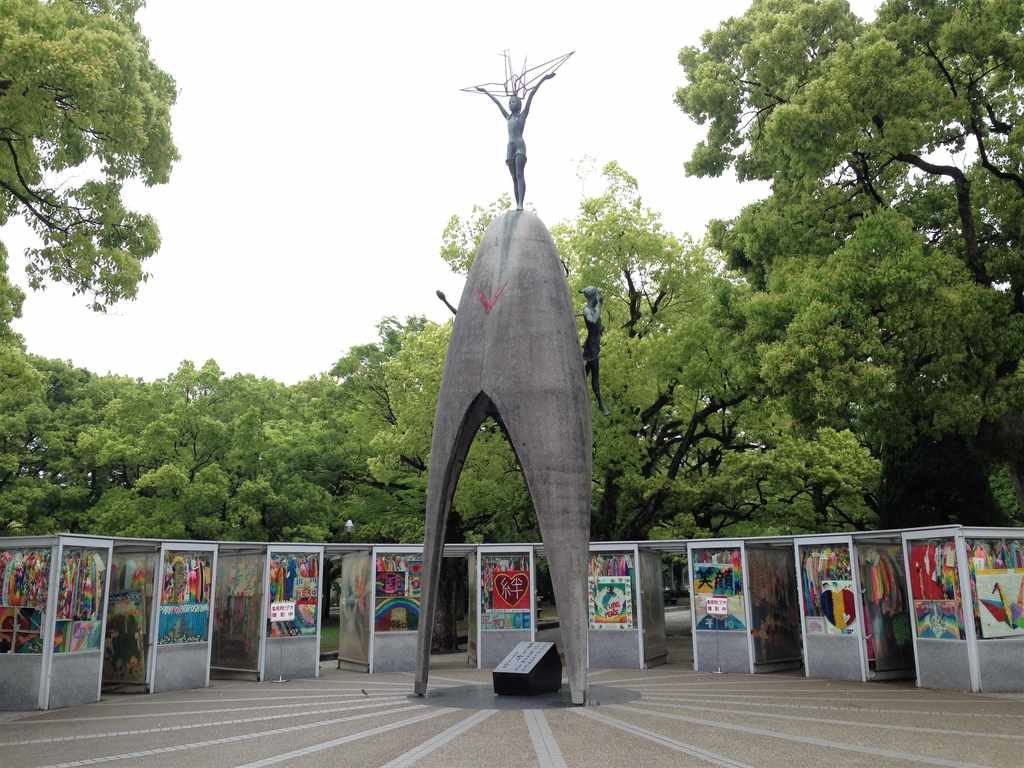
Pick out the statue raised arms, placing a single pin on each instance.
(517, 86)
(516, 115)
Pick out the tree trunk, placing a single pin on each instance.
(446, 636)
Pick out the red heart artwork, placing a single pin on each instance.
(512, 590)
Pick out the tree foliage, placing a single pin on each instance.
(888, 258)
(83, 109)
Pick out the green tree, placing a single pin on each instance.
(83, 109)
(887, 255)
(23, 415)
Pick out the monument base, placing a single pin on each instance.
(530, 669)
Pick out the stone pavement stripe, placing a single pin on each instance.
(187, 712)
(314, 681)
(189, 726)
(796, 690)
(824, 696)
(454, 680)
(355, 686)
(321, 690)
(415, 754)
(226, 740)
(346, 739)
(544, 744)
(894, 754)
(834, 708)
(830, 721)
(689, 749)
(156, 701)
(695, 679)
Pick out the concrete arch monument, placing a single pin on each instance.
(515, 355)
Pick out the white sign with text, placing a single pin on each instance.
(282, 611)
(523, 657)
(716, 606)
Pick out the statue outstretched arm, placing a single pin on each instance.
(529, 99)
(504, 112)
(442, 297)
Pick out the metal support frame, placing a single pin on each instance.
(290, 549)
(341, 555)
(386, 549)
(770, 544)
(966, 596)
(858, 627)
(158, 596)
(706, 544)
(881, 539)
(49, 624)
(153, 548)
(959, 535)
(49, 613)
(106, 608)
(634, 550)
(503, 549)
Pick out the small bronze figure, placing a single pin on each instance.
(516, 87)
(592, 344)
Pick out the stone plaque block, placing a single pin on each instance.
(530, 669)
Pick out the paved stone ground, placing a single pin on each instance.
(680, 718)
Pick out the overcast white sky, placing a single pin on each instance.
(324, 146)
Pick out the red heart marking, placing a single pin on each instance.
(512, 589)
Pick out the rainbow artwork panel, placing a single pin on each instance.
(938, 619)
(397, 591)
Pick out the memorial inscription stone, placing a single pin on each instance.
(529, 669)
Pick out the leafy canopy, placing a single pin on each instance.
(83, 109)
(888, 257)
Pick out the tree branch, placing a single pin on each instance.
(963, 204)
(998, 126)
(979, 134)
(942, 68)
(863, 174)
